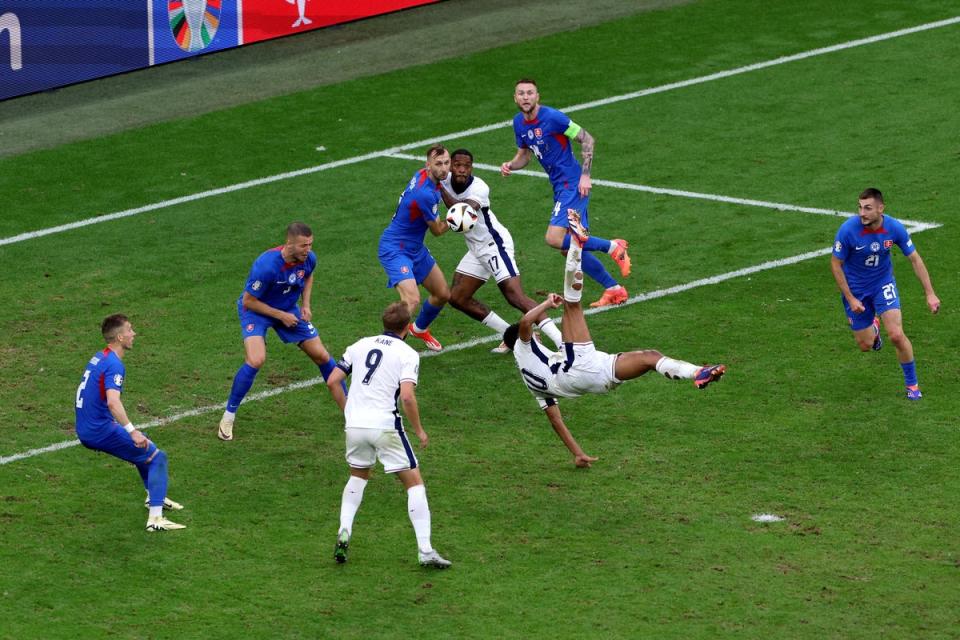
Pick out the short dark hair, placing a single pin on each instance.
(436, 150)
(461, 152)
(872, 193)
(526, 81)
(396, 317)
(111, 326)
(297, 229)
(511, 335)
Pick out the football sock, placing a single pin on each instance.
(155, 512)
(909, 372)
(495, 322)
(676, 369)
(592, 244)
(420, 516)
(428, 313)
(157, 478)
(327, 368)
(595, 269)
(573, 276)
(549, 327)
(352, 497)
(241, 385)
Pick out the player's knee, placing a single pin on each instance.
(458, 299)
(256, 361)
(158, 459)
(556, 243)
(897, 337)
(441, 297)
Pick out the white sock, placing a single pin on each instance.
(156, 512)
(548, 326)
(230, 415)
(420, 516)
(352, 497)
(573, 275)
(676, 369)
(417, 329)
(495, 322)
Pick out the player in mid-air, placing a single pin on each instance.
(402, 253)
(489, 254)
(383, 369)
(278, 279)
(547, 133)
(863, 270)
(100, 414)
(579, 368)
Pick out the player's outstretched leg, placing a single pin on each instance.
(349, 505)
(634, 364)
(613, 293)
(157, 479)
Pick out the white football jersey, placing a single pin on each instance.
(538, 368)
(577, 370)
(377, 365)
(487, 226)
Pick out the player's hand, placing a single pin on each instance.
(505, 169)
(424, 438)
(585, 185)
(856, 306)
(140, 441)
(306, 314)
(289, 320)
(554, 300)
(583, 460)
(933, 302)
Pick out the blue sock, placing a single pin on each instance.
(909, 372)
(592, 244)
(157, 479)
(241, 384)
(428, 313)
(595, 269)
(142, 468)
(327, 368)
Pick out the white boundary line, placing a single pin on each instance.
(30, 235)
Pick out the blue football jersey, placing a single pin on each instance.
(866, 252)
(276, 282)
(418, 205)
(104, 371)
(545, 137)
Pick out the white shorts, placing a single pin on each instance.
(390, 447)
(592, 372)
(492, 260)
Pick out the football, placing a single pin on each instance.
(461, 217)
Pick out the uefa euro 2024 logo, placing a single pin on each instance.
(194, 23)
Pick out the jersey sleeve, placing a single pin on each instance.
(480, 192)
(517, 134)
(903, 240)
(558, 122)
(841, 249)
(310, 265)
(259, 280)
(345, 363)
(113, 374)
(410, 367)
(427, 201)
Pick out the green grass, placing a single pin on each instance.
(656, 539)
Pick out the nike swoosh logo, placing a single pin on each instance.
(858, 248)
(889, 303)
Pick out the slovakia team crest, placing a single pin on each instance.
(887, 244)
(538, 132)
(249, 328)
(404, 269)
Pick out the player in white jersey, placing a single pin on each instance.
(579, 368)
(489, 254)
(387, 369)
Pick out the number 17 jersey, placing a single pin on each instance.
(377, 365)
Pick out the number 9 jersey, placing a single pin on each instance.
(376, 366)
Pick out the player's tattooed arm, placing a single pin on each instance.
(587, 143)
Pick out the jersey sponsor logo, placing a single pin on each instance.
(118, 380)
(887, 244)
(256, 285)
(874, 246)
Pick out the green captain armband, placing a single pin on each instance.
(573, 130)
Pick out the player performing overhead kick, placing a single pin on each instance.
(580, 368)
(547, 133)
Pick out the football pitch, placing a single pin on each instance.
(733, 139)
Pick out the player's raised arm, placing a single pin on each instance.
(519, 161)
(530, 317)
(580, 458)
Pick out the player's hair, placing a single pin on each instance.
(526, 81)
(436, 150)
(298, 229)
(511, 334)
(461, 152)
(396, 317)
(872, 193)
(111, 326)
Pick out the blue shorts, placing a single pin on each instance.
(401, 265)
(254, 324)
(117, 442)
(565, 200)
(876, 301)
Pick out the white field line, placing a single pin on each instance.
(30, 235)
(269, 393)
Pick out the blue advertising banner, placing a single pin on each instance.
(51, 43)
(185, 28)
